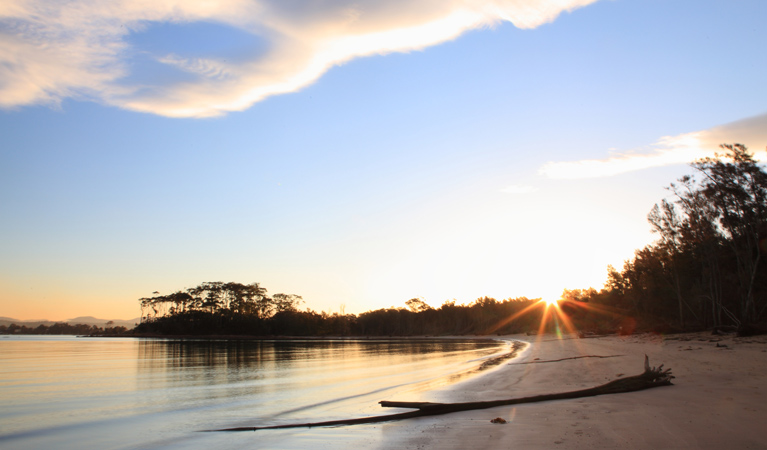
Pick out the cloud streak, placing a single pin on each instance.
(51, 50)
(669, 150)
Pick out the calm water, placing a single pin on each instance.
(86, 393)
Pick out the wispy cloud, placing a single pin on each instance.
(515, 189)
(669, 150)
(51, 50)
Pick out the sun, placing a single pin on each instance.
(551, 301)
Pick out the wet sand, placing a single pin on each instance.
(718, 400)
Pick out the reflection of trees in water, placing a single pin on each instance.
(178, 363)
(196, 372)
(236, 353)
(263, 377)
(203, 353)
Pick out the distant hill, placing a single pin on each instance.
(30, 323)
(87, 320)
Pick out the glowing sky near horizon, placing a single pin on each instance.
(355, 153)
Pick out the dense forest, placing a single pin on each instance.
(705, 271)
(707, 268)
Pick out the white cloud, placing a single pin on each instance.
(515, 189)
(51, 50)
(669, 150)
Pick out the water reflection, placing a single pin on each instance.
(159, 354)
(57, 390)
(274, 378)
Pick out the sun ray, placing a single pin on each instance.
(559, 317)
(511, 318)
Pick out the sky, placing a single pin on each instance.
(356, 153)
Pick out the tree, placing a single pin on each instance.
(417, 305)
(286, 302)
(737, 191)
(668, 224)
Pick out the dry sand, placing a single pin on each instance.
(718, 400)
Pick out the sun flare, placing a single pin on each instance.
(550, 301)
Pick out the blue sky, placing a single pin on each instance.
(147, 148)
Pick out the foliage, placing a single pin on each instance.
(217, 298)
(707, 267)
(207, 310)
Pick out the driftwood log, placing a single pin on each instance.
(650, 378)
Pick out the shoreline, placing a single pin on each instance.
(718, 399)
(240, 337)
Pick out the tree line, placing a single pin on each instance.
(218, 308)
(483, 316)
(706, 270)
(79, 329)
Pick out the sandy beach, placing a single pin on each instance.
(718, 400)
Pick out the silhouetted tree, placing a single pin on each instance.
(417, 305)
(708, 259)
